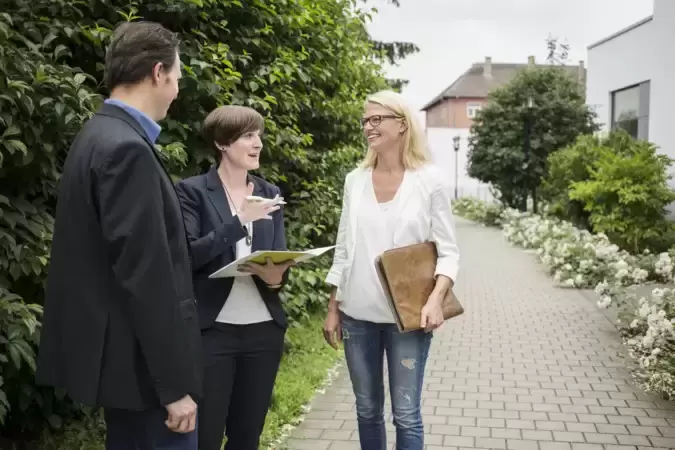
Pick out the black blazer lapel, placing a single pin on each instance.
(220, 202)
(217, 195)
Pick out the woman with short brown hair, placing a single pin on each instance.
(241, 318)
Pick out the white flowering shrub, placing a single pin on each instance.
(576, 258)
(581, 259)
(479, 211)
(646, 326)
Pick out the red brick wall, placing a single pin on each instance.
(451, 113)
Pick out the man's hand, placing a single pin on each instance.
(272, 274)
(182, 415)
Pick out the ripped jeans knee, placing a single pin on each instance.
(366, 345)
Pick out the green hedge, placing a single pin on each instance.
(616, 185)
(306, 65)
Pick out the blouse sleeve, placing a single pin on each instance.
(340, 254)
(443, 231)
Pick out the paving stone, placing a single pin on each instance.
(600, 438)
(528, 366)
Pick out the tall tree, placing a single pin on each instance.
(306, 65)
(540, 111)
(394, 51)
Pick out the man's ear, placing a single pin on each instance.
(156, 71)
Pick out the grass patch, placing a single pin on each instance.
(303, 369)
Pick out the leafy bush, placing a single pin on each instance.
(576, 258)
(565, 167)
(558, 115)
(305, 65)
(473, 209)
(43, 102)
(627, 193)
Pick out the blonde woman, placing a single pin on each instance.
(396, 198)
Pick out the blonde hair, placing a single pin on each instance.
(415, 150)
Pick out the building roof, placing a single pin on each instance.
(621, 31)
(481, 78)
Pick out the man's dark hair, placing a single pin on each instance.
(135, 49)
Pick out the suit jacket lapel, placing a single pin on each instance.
(217, 195)
(220, 202)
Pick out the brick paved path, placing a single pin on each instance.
(528, 366)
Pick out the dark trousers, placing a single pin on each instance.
(144, 430)
(240, 366)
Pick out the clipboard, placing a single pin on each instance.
(260, 257)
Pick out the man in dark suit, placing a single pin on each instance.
(120, 323)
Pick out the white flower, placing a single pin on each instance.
(604, 302)
(622, 273)
(601, 287)
(648, 340)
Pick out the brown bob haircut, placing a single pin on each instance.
(225, 124)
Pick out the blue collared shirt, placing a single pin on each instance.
(151, 128)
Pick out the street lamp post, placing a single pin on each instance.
(455, 146)
(526, 151)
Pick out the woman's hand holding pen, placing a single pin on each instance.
(253, 209)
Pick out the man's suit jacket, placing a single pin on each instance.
(120, 319)
(213, 231)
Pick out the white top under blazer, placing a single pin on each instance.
(423, 208)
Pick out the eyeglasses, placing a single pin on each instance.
(376, 120)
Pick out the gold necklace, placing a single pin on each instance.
(248, 232)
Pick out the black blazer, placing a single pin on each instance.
(120, 320)
(213, 232)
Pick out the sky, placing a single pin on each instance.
(453, 34)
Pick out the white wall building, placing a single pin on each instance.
(443, 154)
(631, 79)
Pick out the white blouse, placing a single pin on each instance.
(422, 211)
(364, 297)
(244, 305)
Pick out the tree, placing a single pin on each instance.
(543, 107)
(393, 52)
(306, 65)
(557, 52)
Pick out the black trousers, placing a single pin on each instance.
(240, 367)
(144, 430)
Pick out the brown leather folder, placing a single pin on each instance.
(407, 276)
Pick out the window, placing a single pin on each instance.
(472, 109)
(630, 110)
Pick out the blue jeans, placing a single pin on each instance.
(365, 344)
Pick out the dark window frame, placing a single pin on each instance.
(640, 129)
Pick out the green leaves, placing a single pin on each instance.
(307, 65)
(626, 191)
(558, 115)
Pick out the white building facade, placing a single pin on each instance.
(631, 79)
